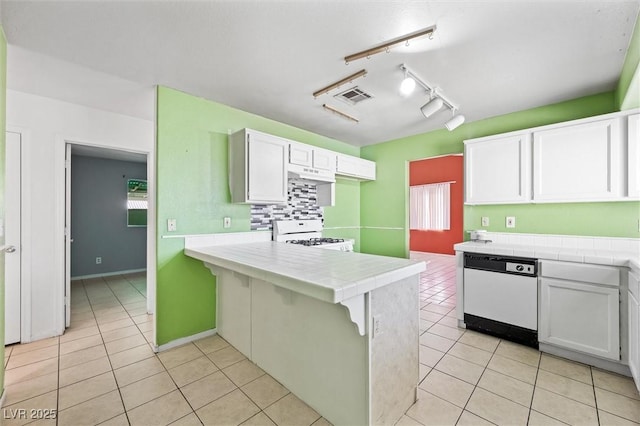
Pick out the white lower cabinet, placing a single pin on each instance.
(580, 316)
(634, 328)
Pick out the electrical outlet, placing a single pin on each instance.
(98, 260)
(226, 222)
(377, 327)
(485, 221)
(172, 225)
(511, 221)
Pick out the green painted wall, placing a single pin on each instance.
(3, 124)
(628, 89)
(192, 187)
(384, 202)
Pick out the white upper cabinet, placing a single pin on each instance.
(257, 168)
(300, 154)
(309, 156)
(591, 159)
(498, 170)
(582, 162)
(359, 168)
(323, 159)
(633, 144)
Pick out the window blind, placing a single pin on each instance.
(430, 207)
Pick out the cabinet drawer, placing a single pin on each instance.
(597, 274)
(634, 285)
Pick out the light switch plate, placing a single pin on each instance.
(511, 222)
(172, 225)
(226, 222)
(485, 221)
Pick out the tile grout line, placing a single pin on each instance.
(110, 364)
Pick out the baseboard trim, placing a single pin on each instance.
(108, 274)
(603, 364)
(3, 397)
(184, 340)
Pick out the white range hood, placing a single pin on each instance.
(309, 173)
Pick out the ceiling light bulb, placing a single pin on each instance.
(455, 122)
(407, 86)
(432, 107)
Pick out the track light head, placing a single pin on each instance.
(455, 122)
(407, 86)
(432, 107)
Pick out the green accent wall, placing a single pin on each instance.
(628, 89)
(3, 126)
(384, 203)
(192, 187)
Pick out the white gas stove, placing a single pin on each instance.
(308, 233)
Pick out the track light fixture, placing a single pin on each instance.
(432, 107)
(339, 113)
(349, 79)
(436, 100)
(386, 46)
(455, 122)
(408, 85)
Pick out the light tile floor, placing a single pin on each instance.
(103, 371)
(468, 378)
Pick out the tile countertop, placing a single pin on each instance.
(328, 275)
(594, 256)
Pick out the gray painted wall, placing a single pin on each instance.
(99, 217)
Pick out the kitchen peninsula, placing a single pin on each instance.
(340, 330)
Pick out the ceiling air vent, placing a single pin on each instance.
(354, 95)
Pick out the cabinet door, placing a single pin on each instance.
(300, 154)
(581, 317)
(367, 169)
(578, 163)
(347, 165)
(634, 339)
(266, 169)
(633, 166)
(359, 168)
(325, 160)
(498, 170)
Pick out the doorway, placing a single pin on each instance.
(436, 170)
(105, 254)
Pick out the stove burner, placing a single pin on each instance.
(316, 241)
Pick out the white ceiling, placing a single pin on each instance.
(107, 154)
(268, 57)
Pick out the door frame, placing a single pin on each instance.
(59, 217)
(25, 231)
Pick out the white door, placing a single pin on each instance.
(12, 238)
(67, 237)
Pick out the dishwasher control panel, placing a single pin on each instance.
(501, 264)
(521, 268)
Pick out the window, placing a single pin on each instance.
(137, 202)
(430, 206)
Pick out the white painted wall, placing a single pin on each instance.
(47, 124)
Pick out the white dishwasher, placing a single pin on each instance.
(501, 296)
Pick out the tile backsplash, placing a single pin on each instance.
(631, 245)
(302, 204)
